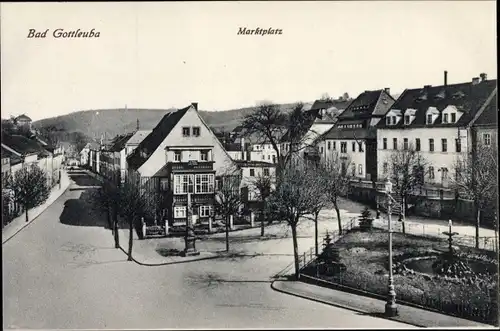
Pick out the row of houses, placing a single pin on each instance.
(19, 151)
(181, 159)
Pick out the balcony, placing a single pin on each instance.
(201, 198)
(191, 166)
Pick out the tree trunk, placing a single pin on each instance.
(262, 219)
(27, 218)
(116, 227)
(227, 233)
(338, 216)
(316, 214)
(131, 238)
(108, 217)
(295, 252)
(477, 226)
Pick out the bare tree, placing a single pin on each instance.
(272, 125)
(476, 180)
(319, 185)
(228, 199)
(406, 172)
(30, 187)
(133, 202)
(337, 180)
(264, 186)
(294, 198)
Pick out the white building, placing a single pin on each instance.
(436, 121)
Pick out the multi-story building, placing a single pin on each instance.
(354, 136)
(130, 146)
(113, 158)
(180, 160)
(251, 172)
(437, 122)
(23, 121)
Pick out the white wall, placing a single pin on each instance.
(248, 180)
(223, 162)
(356, 158)
(436, 159)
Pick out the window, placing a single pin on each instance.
(353, 146)
(458, 145)
(343, 147)
(186, 131)
(354, 169)
(360, 169)
(334, 145)
(431, 145)
(453, 117)
(329, 145)
(405, 143)
(429, 119)
(385, 167)
(417, 144)
(394, 143)
(269, 157)
(205, 211)
(445, 118)
(486, 139)
(204, 155)
(263, 157)
(360, 146)
(177, 156)
(321, 149)
(183, 184)
(444, 174)
(252, 172)
(394, 120)
(164, 184)
(196, 131)
(180, 212)
(444, 145)
(384, 143)
(204, 183)
(266, 171)
(431, 173)
(388, 120)
(407, 119)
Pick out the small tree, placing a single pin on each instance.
(30, 187)
(133, 202)
(228, 199)
(406, 172)
(263, 185)
(476, 180)
(294, 198)
(336, 176)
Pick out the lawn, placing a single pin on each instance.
(365, 255)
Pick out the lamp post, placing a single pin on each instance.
(391, 308)
(190, 237)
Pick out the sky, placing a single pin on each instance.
(169, 54)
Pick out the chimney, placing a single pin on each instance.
(387, 90)
(445, 78)
(137, 127)
(195, 105)
(475, 80)
(483, 76)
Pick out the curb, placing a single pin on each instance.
(337, 305)
(34, 218)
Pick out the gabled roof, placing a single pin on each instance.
(23, 117)
(147, 147)
(489, 116)
(23, 145)
(358, 133)
(119, 143)
(466, 97)
(325, 104)
(138, 136)
(94, 146)
(368, 104)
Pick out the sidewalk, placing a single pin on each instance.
(18, 223)
(370, 306)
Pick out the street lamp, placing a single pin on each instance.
(391, 308)
(190, 237)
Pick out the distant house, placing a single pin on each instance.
(113, 159)
(181, 159)
(84, 155)
(130, 146)
(354, 136)
(94, 157)
(250, 173)
(23, 121)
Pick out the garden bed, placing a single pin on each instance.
(365, 255)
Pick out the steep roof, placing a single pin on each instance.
(467, 97)
(138, 136)
(489, 116)
(147, 147)
(120, 142)
(247, 163)
(23, 117)
(325, 104)
(357, 133)
(368, 104)
(23, 145)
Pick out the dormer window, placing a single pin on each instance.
(453, 117)
(429, 119)
(407, 119)
(394, 120)
(458, 95)
(445, 118)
